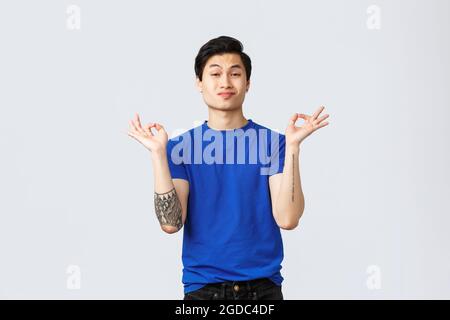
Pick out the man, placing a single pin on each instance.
(207, 179)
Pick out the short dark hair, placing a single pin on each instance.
(220, 45)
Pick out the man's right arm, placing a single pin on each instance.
(171, 195)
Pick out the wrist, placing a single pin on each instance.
(158, 154)
(293, 148)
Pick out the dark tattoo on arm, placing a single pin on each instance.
(292, 177)
(168, 209)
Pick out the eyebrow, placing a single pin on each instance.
(233, 66)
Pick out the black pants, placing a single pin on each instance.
(259, 289)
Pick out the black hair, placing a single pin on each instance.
(220, 45)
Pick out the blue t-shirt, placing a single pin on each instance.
(230, 233)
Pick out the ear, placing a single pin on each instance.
(248, 85)
(199, 84)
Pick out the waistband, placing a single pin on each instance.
(248, 284)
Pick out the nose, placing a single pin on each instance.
(225, 81)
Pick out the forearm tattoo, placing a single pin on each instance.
(293, 177)
(168, 209)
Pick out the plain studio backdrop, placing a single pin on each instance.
(76, 213)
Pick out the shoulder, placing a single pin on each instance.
(181, 135)
(272, 134)
(274, 131)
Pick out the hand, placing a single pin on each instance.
(295, 135)
(153, 142)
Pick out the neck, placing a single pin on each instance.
(226, 120)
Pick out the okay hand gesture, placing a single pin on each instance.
(295, 135)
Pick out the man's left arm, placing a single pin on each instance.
(288, 201)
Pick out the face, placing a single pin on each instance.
(224, 82)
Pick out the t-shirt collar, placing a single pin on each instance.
(245, 127)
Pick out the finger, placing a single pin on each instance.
(322, 118)
(293, 119)
(133, 126)
(316, 114)
(148, 127)
(137, 122)
(134, 137)
(158, 126)
(131, 134)
(304, 116)
(323, 124)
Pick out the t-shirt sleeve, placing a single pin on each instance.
(281, 154)
(278, 143)
(176, 166)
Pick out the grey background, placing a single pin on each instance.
(76, 190)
